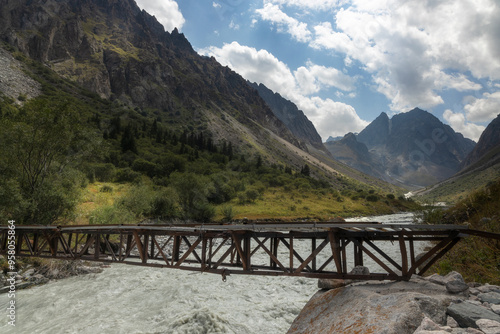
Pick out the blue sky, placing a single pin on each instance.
(344, 62)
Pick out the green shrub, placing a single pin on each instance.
(227, 212)
(164, 204)
(111, 214)
(127, 175)
(252, 195)
(106, 189)
(145, 167)
(102, 172)
(139, 200)
(242, 198)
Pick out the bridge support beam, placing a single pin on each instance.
(319, 250)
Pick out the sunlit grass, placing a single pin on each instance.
(278, 203)
(281, 203)
(98, 195)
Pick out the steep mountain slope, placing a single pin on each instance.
(480, 168)
(489, 140)
(377, 132)
(413, 148)
(289, 114)
(355, 154)
(317, 153)
(122, 53)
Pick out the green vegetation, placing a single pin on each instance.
(456, 189)
(477, 259)
(71, 157)
(42, 143)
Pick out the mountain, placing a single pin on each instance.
(291, 116)
(479, 169)
(330, 138)
(152, 83)
(355, 154)
(487, 144)
(414, 149)
(377, 132)
(123, 54)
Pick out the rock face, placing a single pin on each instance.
(120, 52)
(377, 132)
(355, 154)
(433, 305)
(289, 114)
(13, 82)
(414, 149)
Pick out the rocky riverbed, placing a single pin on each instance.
(30, 275)
(432, 305)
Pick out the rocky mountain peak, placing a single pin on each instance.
(413, 148)
(122, 53)
(377, 132)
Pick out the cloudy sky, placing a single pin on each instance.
(344, 62)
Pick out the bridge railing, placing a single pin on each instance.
(317, 250)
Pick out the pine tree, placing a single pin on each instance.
(128, 141)
(306, 171)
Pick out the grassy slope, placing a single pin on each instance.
(477, 259)
(273, 203)
(477, 176)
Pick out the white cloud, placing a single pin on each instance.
(275, 15)
(310, 4)
(313, 78)
(234, 26)
(331, 118)
(411, 47)
(483, 109)
(458, 82)
(326, 37)
(216, 5)
(328, 116)
(459, 123)
(166, 12)
(255, 65)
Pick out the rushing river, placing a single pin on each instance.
(130, 299)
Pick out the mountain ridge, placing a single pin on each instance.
(291, 116)
(123, 54)
(91, 42)
(489, 140)
(414, 149)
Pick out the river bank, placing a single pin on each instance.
(40, 271)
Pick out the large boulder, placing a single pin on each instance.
(454, 282)
(387, 308)
(466, 314)
(488, 326)
(490, 297)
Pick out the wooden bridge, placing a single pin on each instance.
(317, 250)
